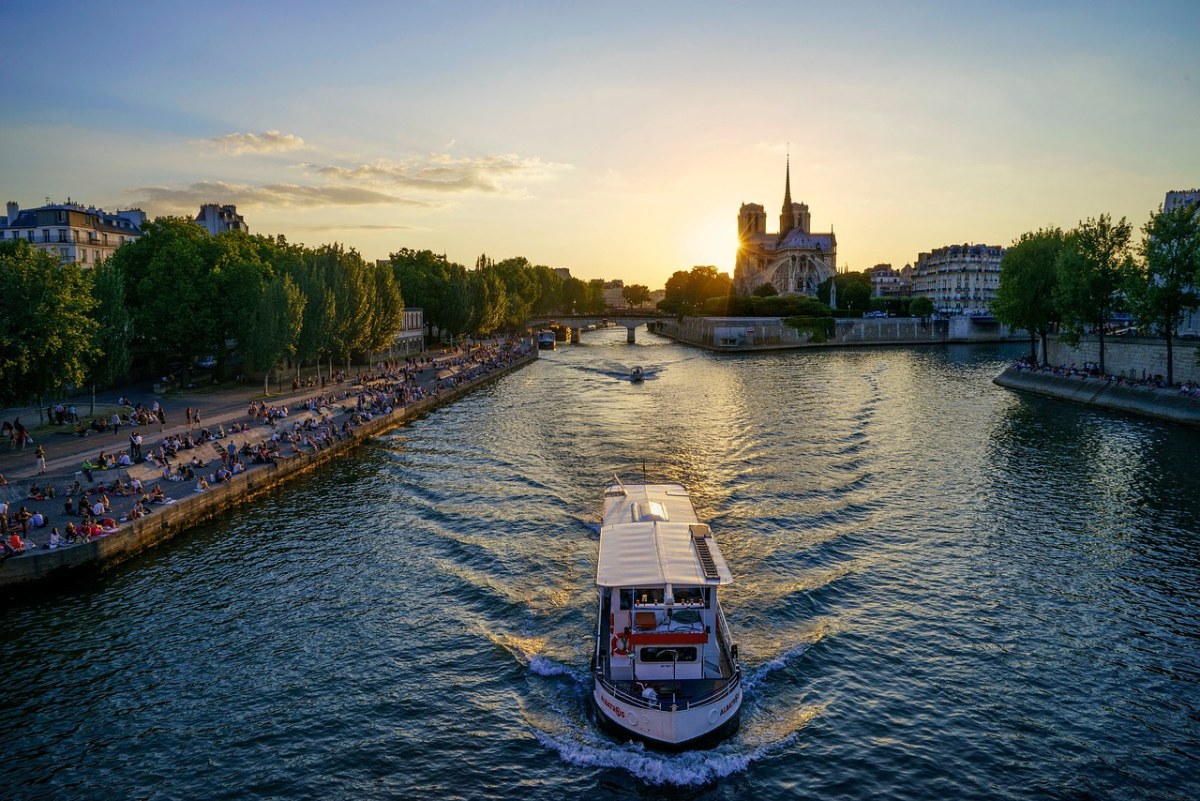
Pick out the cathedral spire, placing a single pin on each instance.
(787, 185)
(787, 220)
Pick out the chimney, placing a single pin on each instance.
(13, 211)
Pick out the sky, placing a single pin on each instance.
(615, 139)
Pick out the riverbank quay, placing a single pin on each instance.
(745, 334)
(320, 432)
(1131, 357)
(1105, 393)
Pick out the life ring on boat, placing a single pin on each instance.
(619, 645)
(713, 715)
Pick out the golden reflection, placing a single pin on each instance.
(763, 732)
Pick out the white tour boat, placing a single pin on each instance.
(546, 340)
(665, 666)
(636, 375)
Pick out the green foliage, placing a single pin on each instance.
(46, 323)
(1025, 298)
(277, 324)
(765, 290)
(853, 291)
(636, 294)
(112, 356)
(488, 302)
(686, 292)
(1163, 286)
(574, 295)
(1093, 267)
(921, 307)
(821, 328)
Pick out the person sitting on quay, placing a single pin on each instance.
(202, 485)
(56, 540)
(16, 543)
(35, 493)
(98, 509)
(37, 519)
(157, 495)
(72, 532)
(22, 519)
(69, 506)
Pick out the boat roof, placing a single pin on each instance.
(650, 537)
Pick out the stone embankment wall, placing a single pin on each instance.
(58, 567)
(1129, 356)
(1164, 404)
(771, 333)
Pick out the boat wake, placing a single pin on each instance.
(562, 724)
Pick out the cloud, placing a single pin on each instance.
(441, 172)
(353, 227)
(266, 142)
(189, 198)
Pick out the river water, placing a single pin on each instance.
(943, 590)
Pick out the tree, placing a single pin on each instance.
(853, 291)
(549, 290)
(387, 314)
(487, 301)
(277, 324)
(765, 290)
(46, 328)
(635, 294)
(424, 279)
(112, 357)
(1092, 267)
(921, 306)
(319, 312)
(574, 295)
(353, 287)
(520, 289)
(686, 292)
(1164, 285)
(239, 275)
(1028, 283)
(457, 312)
(595, 302)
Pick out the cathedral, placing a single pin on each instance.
(794, 261)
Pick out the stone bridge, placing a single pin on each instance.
(577, 323)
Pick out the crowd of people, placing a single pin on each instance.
(1147, 380)
(204, 458)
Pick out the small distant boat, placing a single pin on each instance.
(546, 340)
(636, 375)
(665, 666)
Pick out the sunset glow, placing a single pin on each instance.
(617, 140)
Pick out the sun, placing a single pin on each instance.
(714, 241)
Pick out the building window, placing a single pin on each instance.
(62, 235)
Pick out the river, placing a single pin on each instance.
(942, 590)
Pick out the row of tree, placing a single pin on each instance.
(176, 294)
(1078, 281)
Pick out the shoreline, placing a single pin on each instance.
(61, 568)
(1161, 404)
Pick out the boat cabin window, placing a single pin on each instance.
(626, 599)
(648, 596)
(691, 596)
(672, 654)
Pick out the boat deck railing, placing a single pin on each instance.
(666, 701)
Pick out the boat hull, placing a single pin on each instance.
(699, 727)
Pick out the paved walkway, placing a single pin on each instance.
(66, 451)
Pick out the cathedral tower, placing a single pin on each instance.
(793, 216)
